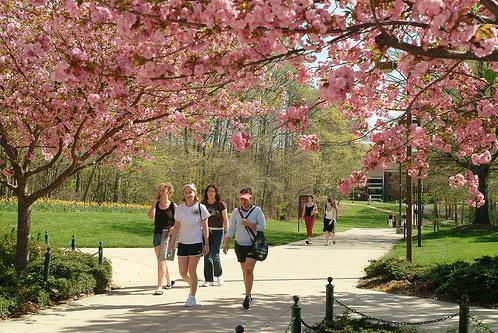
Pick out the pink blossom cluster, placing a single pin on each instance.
(356, 179)
(472, 181)
(338, 84)
(309, 142)
(295, 118)
(241, 140)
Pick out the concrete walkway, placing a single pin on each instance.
(294, 269)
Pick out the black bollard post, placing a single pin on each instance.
(296, 315)
(239, 329)
(46, 266)
(329, 303)
(463, 315)
(435, 222)
(46, 237)
(101, 253)
(73, 243)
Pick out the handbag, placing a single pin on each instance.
(164, 254)
(259, 243)
(315, 211)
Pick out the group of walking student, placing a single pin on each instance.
(310, 212)
(200, 227)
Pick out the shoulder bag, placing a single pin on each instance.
(259, 243)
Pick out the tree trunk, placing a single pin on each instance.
(89, 184)
(456, 213)
(23, 231)
(77, 188)
(117, 187)
(481, 216)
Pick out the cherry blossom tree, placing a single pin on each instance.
(73, 92)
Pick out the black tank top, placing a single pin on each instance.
(308, 210)
(164, 218)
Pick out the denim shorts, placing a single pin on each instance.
(187, 250)
(156, 240)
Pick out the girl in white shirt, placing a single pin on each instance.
(191, 227)
(329, 221)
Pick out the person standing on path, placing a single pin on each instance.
(162, 211)
(329, 221)
(193, 238)
(310, 211)
(217, 223)
(246, 216)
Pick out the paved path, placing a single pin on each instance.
(294, 269)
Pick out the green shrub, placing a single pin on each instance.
(478, 280)
(71, 275)
(388, 269)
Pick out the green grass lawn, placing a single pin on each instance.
(133, 229)
(447, 246)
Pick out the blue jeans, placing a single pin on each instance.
(212, 261)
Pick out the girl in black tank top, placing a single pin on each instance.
(163, 219)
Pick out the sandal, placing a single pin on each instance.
(158, 292)
(169, 286)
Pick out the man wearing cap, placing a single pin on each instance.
(246, 216)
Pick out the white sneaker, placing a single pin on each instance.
(220, 280)
(207, 284)
(190, 301)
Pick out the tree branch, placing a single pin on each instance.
(435, 53)
(49, 164)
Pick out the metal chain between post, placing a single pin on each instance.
(313, 327)
(480, 324)
(289, 326)
(393, 322)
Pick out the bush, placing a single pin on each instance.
(478, 280)
(388, 269)
(71, 275)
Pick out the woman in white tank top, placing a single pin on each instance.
(329, 221)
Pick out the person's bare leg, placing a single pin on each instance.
(249, 275)
(192, 272)
(160, 268)
(183, 268)
(168, 277)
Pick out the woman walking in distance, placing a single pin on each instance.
(329, 221)
(193, 240)
(309, 212)
(246, 216)
(217, 223)
(162, 210)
